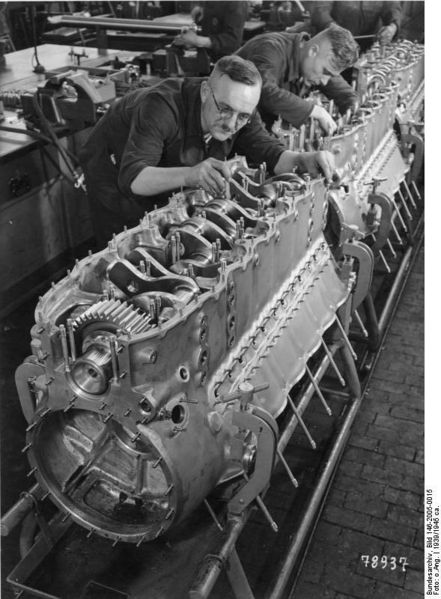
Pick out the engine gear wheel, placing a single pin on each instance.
(113, 315)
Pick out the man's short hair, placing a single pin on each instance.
(344, 47)
(238, 69)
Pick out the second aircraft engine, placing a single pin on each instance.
(377, 165)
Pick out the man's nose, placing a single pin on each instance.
(232, 121)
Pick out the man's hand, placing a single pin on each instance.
(386, 34)
(314, 163)
(325, 120)
(317, 163)
(210, 175)
(187, 38)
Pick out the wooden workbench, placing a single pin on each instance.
(18, 76)
(18, 70)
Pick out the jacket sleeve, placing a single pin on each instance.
(341, 92)
(257, 145)
(153, 124)
(321, 16)
(230, 39)
(391, 13)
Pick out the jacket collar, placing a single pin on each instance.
(294, 51)
(193, 136)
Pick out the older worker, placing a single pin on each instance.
(178, 133)
(291, 63)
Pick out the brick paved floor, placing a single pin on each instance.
(375, 506)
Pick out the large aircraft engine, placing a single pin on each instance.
(160, 364)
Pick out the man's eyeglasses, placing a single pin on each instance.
(226, 112)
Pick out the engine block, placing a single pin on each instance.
(160, 364)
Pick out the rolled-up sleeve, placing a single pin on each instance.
(257, 145)
(153, 125)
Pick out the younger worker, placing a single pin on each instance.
(178, 133)
(292, 63)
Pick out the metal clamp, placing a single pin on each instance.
(264, 426)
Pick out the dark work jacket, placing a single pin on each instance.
(361, 18)
(156, 126)
(276, 55)
(223, 23)
(412, 21)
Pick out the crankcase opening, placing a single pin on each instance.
(119, 487)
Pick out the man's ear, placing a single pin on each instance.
(313, 50)
(204, 90)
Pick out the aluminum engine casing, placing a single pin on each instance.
(144, 353)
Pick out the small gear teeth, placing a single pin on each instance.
(119, 313)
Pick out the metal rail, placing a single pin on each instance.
(18, 511)
(121, 24)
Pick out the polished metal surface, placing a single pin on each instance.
(160, 364)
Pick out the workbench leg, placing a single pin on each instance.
(236, 576)
(101, 41)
